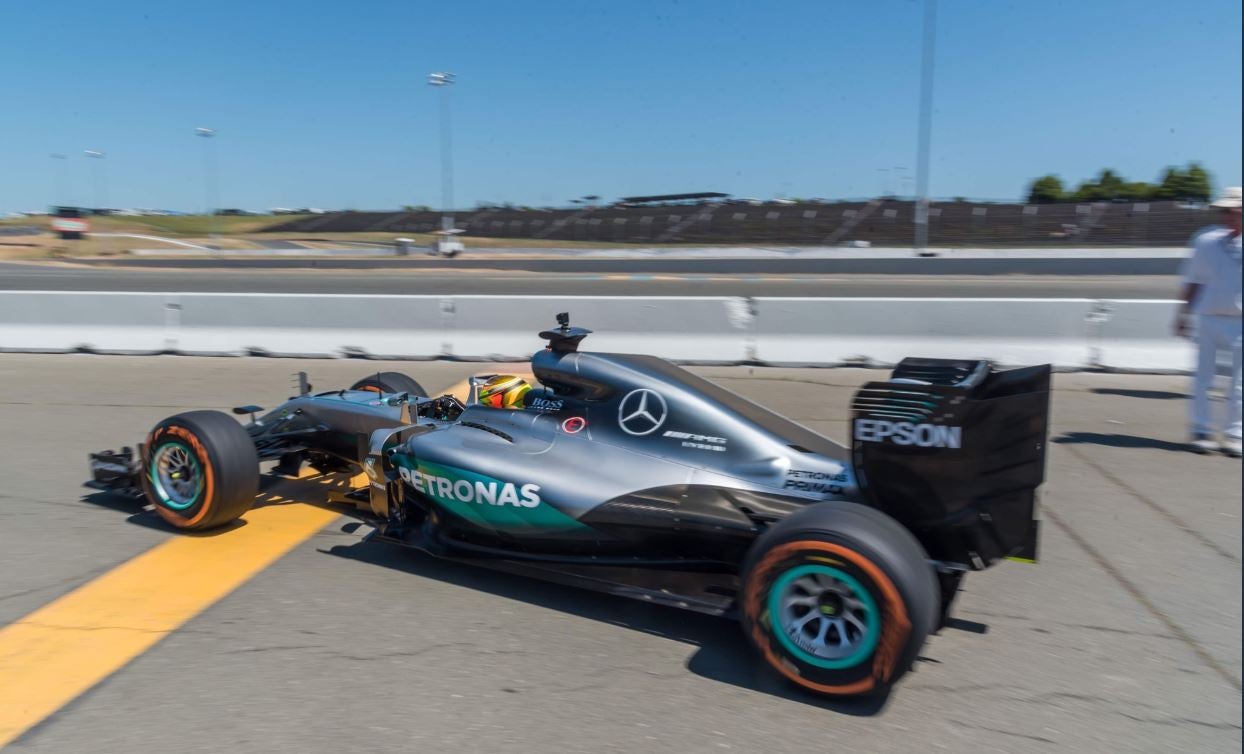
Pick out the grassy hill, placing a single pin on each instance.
(194, 225)
(169, 225)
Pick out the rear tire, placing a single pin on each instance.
(839, 598)
(201, 470)
(390, 382)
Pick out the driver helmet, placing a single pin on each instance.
(503, 391)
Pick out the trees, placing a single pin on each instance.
(1196, 183)
(1171, 185)
(1046, 190)
(1137, 191)
(1108, 185)
(1189, 184)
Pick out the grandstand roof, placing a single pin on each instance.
(672, 197)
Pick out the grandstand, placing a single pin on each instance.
(880, 222)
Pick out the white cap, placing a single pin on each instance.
(1229, 198)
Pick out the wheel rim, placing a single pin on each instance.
(824, 616)
(176, 476)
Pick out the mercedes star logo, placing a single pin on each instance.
(641, 412)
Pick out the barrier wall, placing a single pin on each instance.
(1136, 335)
(701, 329)
(1068, 333)
(59, 321)
(313, 325)
(812, 331)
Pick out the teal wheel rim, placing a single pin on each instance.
(824, 617)
(176, 476)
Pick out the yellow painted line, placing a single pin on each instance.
(61, 650)
(53, 655)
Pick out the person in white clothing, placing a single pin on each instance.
(1211, 293)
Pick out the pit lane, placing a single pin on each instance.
(1125, 637)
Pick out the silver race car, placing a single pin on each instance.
(631, 475)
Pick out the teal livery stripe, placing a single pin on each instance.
(483, 500)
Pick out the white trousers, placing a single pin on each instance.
(1214, 334)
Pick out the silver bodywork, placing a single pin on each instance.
(626, 456)
(610, 428)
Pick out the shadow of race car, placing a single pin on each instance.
(628, 474)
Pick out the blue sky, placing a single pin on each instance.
(324, 103)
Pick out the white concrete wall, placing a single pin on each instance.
(1068, 333)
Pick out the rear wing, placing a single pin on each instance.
(955, 450)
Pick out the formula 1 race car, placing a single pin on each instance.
(631, 475)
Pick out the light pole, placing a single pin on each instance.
(99, 186)
(58, 178)
(925, 128)
(443, 81)
(210, 176)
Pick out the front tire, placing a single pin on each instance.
(390, 382)
(201, 470)
(839, 598)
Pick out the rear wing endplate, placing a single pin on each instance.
(955, 450)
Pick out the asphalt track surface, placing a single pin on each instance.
(1126, 637)
(448, 280)
(546, 262)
